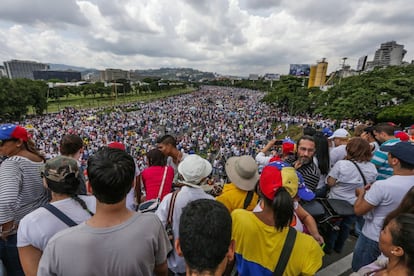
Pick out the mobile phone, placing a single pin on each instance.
(278, 142)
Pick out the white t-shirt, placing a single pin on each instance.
(348, 179)
(386, 195)
(39, 226)
(337, 153)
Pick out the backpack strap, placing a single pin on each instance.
(60, 215)
(171, 208)
(286, 251)
(248, 199)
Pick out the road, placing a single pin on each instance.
(339, 264)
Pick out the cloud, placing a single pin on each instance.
(235, 37)
(42, 11)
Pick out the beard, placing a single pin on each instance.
(305, 160)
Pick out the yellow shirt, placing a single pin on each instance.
(233, 198)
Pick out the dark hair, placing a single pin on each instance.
(156, 158)
(403, 236)
(322, 152)
(403, 164)
(203, 221)
(31, 147)
(310, 131)
(358, 150)
(406, 206)
(385, 127)
(111, 173)
(359, 129)
(69, 187)
(305, 137)
(167, 139)
(70, 144)
(282, 206)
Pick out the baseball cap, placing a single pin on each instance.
(12, 131)
(116, 145)
(401, 150)
(279, 174)
(58, 168)
(288, 146)
(339, 133)
(402, 135)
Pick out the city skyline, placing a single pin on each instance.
(229, 37)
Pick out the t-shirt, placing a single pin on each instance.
(258, 247)
(386, 195)
(349, 178)
(133, 247)
(233, 198)
(152, 179)
(39, 226)
(336, 154)
(380, 160)
(21, 188)
(187, 194)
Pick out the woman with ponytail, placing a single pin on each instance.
(61, 176)
(259, 237)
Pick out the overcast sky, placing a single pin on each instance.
(234, 37)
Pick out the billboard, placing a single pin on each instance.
(362, 62)
(301, 70)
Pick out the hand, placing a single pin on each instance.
(318, 238)
(359, 191)
(298, 164)
(368, 186)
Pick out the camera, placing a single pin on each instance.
(278, 142)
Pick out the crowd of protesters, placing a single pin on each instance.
(152, 151)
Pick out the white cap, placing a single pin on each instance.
(193, 169)
(339, 133)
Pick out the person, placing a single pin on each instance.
(384, 133)
(288, 148)
(259, 237)
(381, 198)
(194, 171)
(321, 160)
(201, 222)
(359, 129)
(21, 189)
(303, 161)
(240, 193)
(167, 144)
(343, 179)
(369, 136)
(61, 176)
(396, 242)
(110, 233)
(71, 145)
(152, 176)
(340, 139)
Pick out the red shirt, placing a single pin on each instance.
(152, 178)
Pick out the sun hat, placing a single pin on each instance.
(116, 145)
(401, 150)
(279, 174)
(12, 131)
(58, 168)
(243, 172)
(193, 169)
(339, 133)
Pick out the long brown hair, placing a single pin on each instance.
(358, 150)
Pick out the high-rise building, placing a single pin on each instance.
(16, 69)
(317, 76)
(67, 76)
(113, 74)
(389, 53)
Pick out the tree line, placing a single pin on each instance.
(384, 94)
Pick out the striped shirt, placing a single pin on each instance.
(21, 188)
(380, 160)
(310, 173)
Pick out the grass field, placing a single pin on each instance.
(89, 101)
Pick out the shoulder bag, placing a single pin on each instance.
(58, 213)
(169, 225)
(152, 204)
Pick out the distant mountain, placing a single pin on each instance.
(64, 67)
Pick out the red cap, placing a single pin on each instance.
(402, 135)
(288, 147)
(116, 145)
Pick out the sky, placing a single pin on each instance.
(228, 37)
